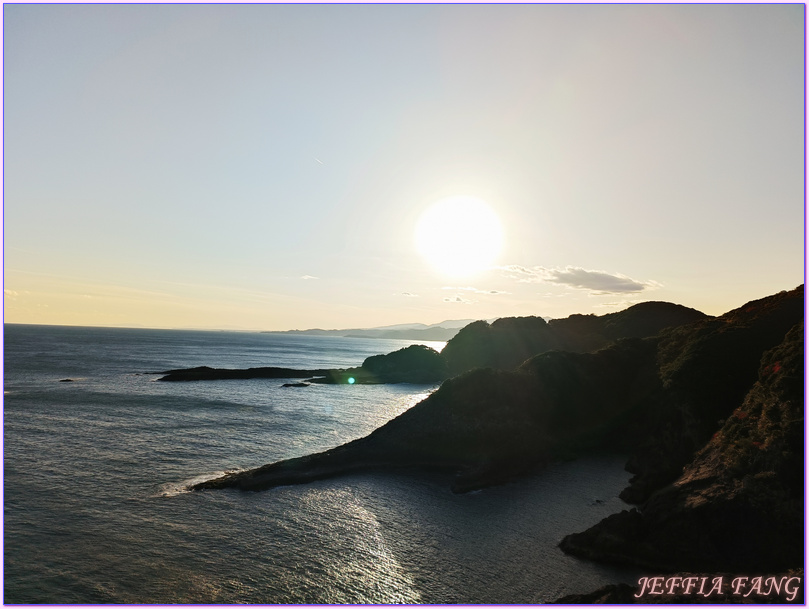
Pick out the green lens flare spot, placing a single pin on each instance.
(351, 380)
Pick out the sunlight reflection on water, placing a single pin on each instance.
(362, 568)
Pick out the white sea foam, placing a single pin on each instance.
(172, 489)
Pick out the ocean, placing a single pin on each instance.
(96, 470)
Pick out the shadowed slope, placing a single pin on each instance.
(488, 425)
(509, 341)
(706, 369)
(738, 505)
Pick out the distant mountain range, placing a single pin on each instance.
(444, 330)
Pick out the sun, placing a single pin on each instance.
(459, 236)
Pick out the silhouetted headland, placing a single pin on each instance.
(503, 344)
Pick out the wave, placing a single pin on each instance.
(172, 489)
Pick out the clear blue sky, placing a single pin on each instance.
(264, 167)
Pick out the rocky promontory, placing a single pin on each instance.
(487, 425)
(413, 364)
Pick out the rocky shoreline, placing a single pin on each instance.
(711, 411)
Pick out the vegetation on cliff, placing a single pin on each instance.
(413, 364)
(508, 342)
(738, 505)
(705, 370)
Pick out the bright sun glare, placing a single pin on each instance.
(459, 236)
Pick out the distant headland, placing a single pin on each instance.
(441, 331)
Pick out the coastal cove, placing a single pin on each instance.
(96, 470)
(710, 409)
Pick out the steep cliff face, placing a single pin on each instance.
(738, 505)
(705, 369)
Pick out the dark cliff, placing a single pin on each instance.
(413, 364)
(738, 505)
(488, 425)
(705, 370)
(508, 342)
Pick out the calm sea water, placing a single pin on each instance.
(95, 471)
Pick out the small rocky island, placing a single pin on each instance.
(709, 408)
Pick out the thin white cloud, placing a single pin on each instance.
(11, 293)
(409, 295)
(620, 303)
(458, 299)
(474, 290)
(309, 277)
(523, 274)
(596, 282)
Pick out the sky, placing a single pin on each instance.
(264, 167)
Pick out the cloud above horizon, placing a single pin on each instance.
(596, 282)
(458, 298)
(619, 303)
(474, 290)
(309, 277)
